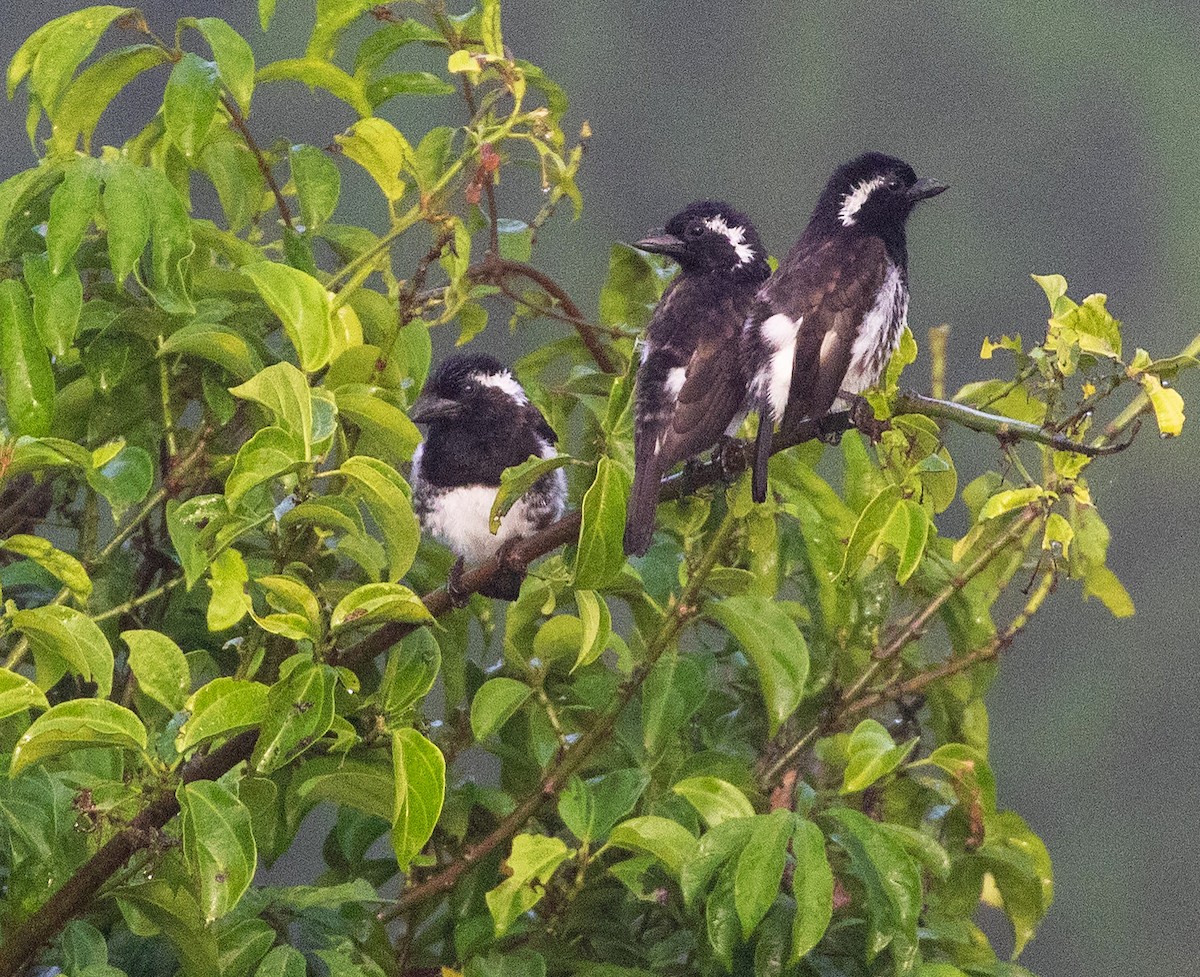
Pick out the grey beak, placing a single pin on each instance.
(926, 187)
(662, 243)
(426, 409)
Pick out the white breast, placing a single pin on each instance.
(459, 517)
(778, 333)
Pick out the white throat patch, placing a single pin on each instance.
(853, 201)
(504, 381)
(735, 235)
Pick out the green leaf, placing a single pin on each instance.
(171, 243)
(228, 579)
(221, 708)
(590, 808)
(407, 83)
(363, 785)
(125, 479)
(218, 845)
(1019, 865)
(812, 887)
(234, 172)
(668, 841)
(172, 909)
(63, 565)
(920, 846)
(318, 183)
(375, 603)
(62, 638)
(596, 621)
(126, 218)
(268, 454)
(233, 55)
(892, 886)
(715, 848)
(75, 725)
(873, 755)
(52, 53)
(282, 961)
(1012, 499)
(721, 923)
(315, 74)
(57, 302)
(284, 391)
(83, 947)
(1165, 401)
(420, 779)
(774, 644)
(530, 865)
(380, 45)
(760, 868)
(333, 17)
(387, 425)
(463, 62)
(379, 148)
(411, 669)
(215, 343)
(601, 554)
(159, 667)
(299, 711)
(674, 690)
(513, 963)
(634, 285)
(867, 530)
(302, 305)
(714, 799)
(387, 495)
(190, 102)
(970, 774)
(73, 205)
(17, 693)
(28, 380)
(496, 702)
(906, 531)
(519, 479)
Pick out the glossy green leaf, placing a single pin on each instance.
(375, 603)
(774, 644)
(866, 532)
(234, 58)
(530, 865)
(75, 725)
(52, 53)
(906, 531)
(269, 453)
(387, 425)
(57, 302)
(387, 495)
(872, 755)
(411, 669)
(420, 780)
(715, 848)
(64, 639)
(228, 579)
(63, 565)
(596, 626)
(364, 785)
(601, 554)
(590, 808)
(674, 690)
(714, 799)
(760, 868)
(812, 887)
(380, 45)
(970, 773)
(218, 845)
(282, 961)
(284, 391)
(668, 841)
(1010, 500)
(17, 693)
(318, 183)
(126, 218)
(190, 102)
(407, 83)
(157, 907)
(721, 923)
(73, 206)
(125, 479)
(302, 305)
(234, 172)
(159, 667)
(25, 365)
(221, 708)
(333, 17)
(316, 73)
(519, 479)
(299, 711)
(632, 289)
(1019, 865)
(496, 702)
(379, 148)
(932, 856)
(171, 244)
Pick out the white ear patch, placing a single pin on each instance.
(735, 235)
(853, 201)
(504, 381)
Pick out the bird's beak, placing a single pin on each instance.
(662, 243)
(426, 409)
(926, 187)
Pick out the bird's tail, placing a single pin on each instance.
(762, 449)
(643, 502)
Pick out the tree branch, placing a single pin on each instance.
(239, 123)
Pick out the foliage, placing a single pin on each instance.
(763, 748)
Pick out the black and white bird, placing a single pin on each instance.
(480, 422)
(829, 319)
(691, 386)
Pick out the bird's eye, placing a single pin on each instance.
(694, 231)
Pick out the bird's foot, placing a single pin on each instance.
(730, 455)
(458, 594)
(863, 418)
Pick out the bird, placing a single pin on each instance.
(691, 388)
(480, 422)
(827, 321)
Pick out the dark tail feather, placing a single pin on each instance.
(643, 504)
(762, 450)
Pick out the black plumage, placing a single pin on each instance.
(480, 422)
(829, 319)
(691, 386)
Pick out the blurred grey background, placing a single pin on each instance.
(1068, 132)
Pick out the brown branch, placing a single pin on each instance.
(493, 270)
(239, 122)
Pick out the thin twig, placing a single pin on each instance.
(239, 123)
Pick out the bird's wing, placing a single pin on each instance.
(829, 290)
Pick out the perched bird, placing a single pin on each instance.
(480, 422)
(829, 319)
(691, 387)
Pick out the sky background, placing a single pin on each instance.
(1068, 133)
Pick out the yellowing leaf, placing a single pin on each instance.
(463, 62)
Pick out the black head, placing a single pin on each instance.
(710, 237)
(874, 193)
(469, 389)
